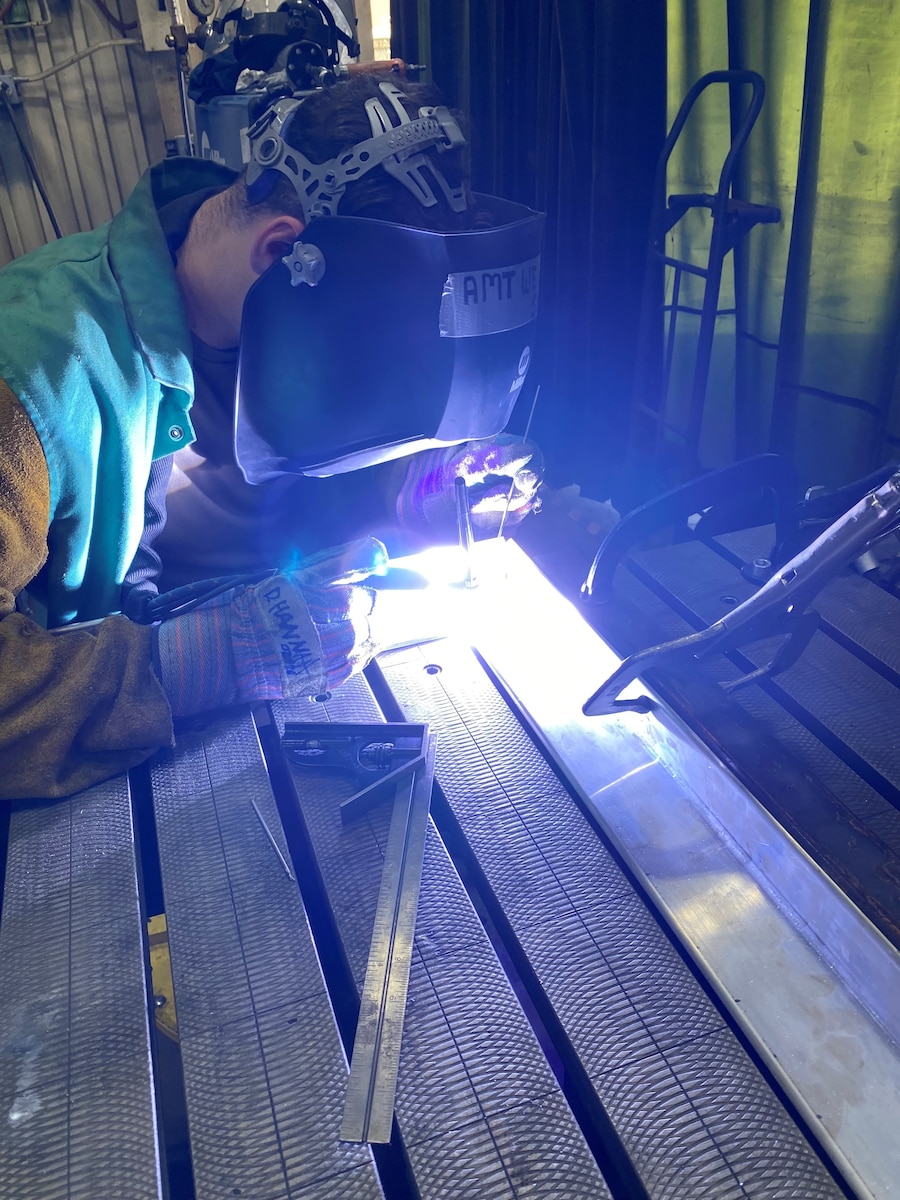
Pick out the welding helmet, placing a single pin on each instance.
(373, 340)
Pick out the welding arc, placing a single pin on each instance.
(369, 1104)
(512, 485)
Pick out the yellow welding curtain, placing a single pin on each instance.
(808, 364)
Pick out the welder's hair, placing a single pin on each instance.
(334, 119)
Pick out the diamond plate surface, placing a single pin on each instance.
(469, 1055)
(264, 1070)
(522, 1153)
(77, 1116)
(662, 1064)
(348, 1185)
(725, 1130)
(237, 929)
(287, 1076)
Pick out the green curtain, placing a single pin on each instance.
(566, 103)
(808, 365)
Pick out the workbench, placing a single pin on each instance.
(588, 935)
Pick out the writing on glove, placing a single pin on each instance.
(299, 633)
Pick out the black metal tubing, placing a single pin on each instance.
(722, 241)
(766, 473)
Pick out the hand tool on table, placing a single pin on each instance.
(384, 757)
(780, 607)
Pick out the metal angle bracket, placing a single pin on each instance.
(388, 759)
(369, 1103)
(378, 755)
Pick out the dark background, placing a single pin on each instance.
(566, 104)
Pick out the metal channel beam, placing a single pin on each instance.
(77, 1115)
(264, 1069)
(369, 1107)
(805, 974)
(477, 1104)
(662, 1061)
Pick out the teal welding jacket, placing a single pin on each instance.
(96, 347)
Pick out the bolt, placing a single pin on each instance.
(757, 571)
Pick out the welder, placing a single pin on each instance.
(218, 522)
(363, 338)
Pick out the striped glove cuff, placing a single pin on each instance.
(194, 661)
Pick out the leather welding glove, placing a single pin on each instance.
(503, 475)
(298, 633)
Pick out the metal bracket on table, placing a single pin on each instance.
(380, 756)
(780, 607)
(386, 758)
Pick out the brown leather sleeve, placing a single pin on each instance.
(76, 707)
(24, 501)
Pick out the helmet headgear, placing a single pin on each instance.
(396, 144)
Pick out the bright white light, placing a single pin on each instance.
(445, 607)
(445, 565)
(438, 564)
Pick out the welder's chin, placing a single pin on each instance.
(359, 459)
(259, 467)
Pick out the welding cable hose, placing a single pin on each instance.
(75, 58)
(295, 634)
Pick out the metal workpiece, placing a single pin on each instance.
(664, 1065)
(77, 1109)
(375, 1062)
(808, 979)
(477, 1105)
(264, 1068)
(834, 778)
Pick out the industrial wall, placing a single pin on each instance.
(90, 127)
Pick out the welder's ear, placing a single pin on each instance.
(273, 241)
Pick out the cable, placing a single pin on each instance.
(116, 22)
(18, 79)
(191, 595)
(70, 62)
(4, 93)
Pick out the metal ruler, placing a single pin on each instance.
(369, 1105)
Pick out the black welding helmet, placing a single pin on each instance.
(374, 340)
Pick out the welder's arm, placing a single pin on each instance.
(76, 707)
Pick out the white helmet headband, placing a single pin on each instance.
(397, 147)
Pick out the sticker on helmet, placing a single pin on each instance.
(475, 303)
